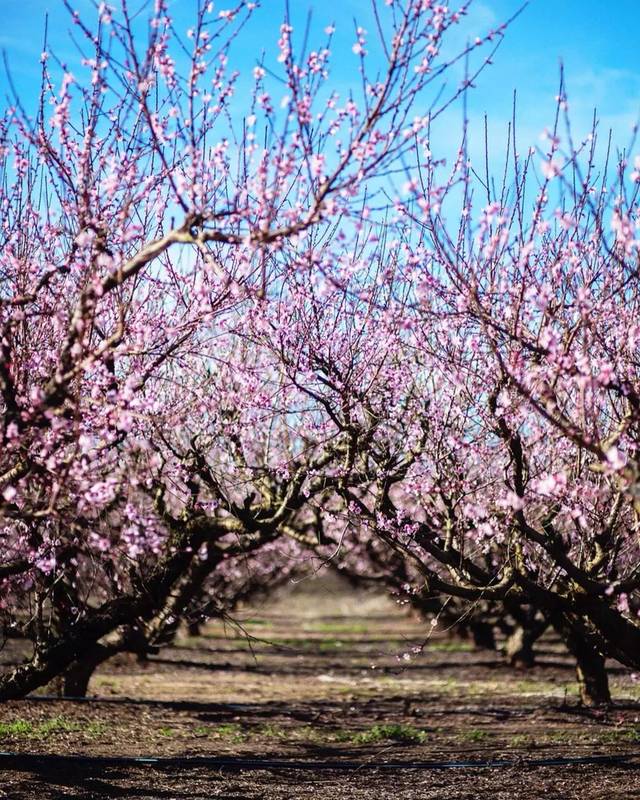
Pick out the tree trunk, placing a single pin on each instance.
(77, 677)
(593, 680)
(518, 648)
(483, 635)
(80, 641)
(591, 672)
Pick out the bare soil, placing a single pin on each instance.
(327, 680)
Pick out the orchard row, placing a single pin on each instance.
(251, 326)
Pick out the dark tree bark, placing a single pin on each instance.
(79, 642)
(483, 635)
(148, 616)
(528, 628)
(131, 639)
(518, 648)
(76, 678)
(591, 672)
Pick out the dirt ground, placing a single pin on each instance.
(326, 684)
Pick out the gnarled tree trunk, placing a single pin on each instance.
(80, 642)
(591, 672)
(483, 635)
(518, 647)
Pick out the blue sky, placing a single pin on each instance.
(597, 41)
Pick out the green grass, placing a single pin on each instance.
(620, 736)
(329, 645)
(450, 647)
(474, 735)
(560, 737)
(311, 645)
(393, 732)
(232, 732)
(19, 728)
(261, 646)
(337, 627)
(229, 731)
(540, 687)
(521, 740)
(272, 731)
(25, 729)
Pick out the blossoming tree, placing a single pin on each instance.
(150, 227)
(522, 337)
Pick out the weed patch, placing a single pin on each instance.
(389, 733)
(25, 729)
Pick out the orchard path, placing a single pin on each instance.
(325, 682)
